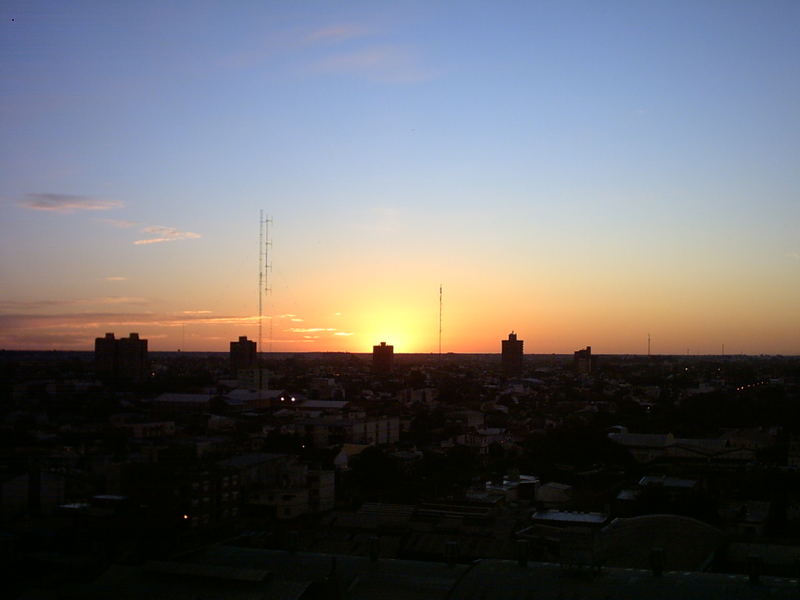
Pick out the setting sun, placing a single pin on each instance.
(399, 328)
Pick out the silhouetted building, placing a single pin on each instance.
(583, 360)
(124, 358)
(382, 358)
(244, 354)
(512, 355)
(105, 354)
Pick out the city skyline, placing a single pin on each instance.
(583, 174)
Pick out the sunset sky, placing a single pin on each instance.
(583, 173)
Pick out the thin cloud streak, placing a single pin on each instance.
(67, 203)
(97, 320)
(384, 64)
(165, 234)
(119, 223)
(17, 305)
(336, 33)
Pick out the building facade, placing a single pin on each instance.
(244, 354)
(583, 360)
(124, 358)
(512, 355)
(382, 358)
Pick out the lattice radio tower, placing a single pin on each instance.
(264, 269)
(440, 320)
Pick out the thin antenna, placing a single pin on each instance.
(264, 267)
(648, 344)
(440, 319)
(260, 286)
(268, 270)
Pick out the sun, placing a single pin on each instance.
(403, 330)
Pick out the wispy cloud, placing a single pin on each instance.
(309, 329)
(197, 312)
(24, 325)
(336, 33)
(77, 330)
(343, 333)
(120, 223)
(262, 47)
(118, 300)
(161, 234)
(45, 339)
(17, 305)
(67, 203)
(386, 64)
(93, 321)
(157, 234)
(115, 278)
(297, 320)
(286, 316)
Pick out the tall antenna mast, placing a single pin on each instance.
(260, 283)
(267, 269)
(263, 283)
(648, 344)
(440, 319)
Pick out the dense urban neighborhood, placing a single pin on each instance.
(125, 469)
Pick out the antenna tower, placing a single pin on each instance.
(260, 279)
(264, 269)
(440, 319)
(648, 344)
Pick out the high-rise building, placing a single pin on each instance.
(124, 358)
(244, 354)
(583, 360)
(512, 355)
(105, 355)
(382, 358)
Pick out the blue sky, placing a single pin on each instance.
(640, 155)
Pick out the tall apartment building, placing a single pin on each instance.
(583, 360)
(382, 358)
(244, 354)
(124, 358)
(512, 355)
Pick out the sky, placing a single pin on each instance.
(582, 173)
